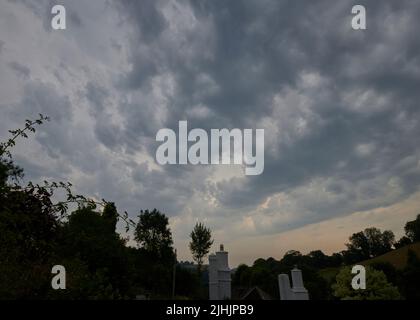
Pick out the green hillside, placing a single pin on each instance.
(398, 257)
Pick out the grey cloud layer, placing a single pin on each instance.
(339, 107)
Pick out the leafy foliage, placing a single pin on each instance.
(377, 286)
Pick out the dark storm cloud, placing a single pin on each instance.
(41, 98)
(20, 70)
(75, 19)
(60, 138)
(36, 172)
(149, 23)
(259, 49)
(317, 154)
(145, 15)
(106, 132)
(97, 96)
(339, 107)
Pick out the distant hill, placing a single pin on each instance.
(397, 257)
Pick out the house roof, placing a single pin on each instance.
(256, 293)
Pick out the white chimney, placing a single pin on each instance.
(286, 292)
(300, 293)
(219, 276)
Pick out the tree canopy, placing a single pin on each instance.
(412, 229)
(377, 286)
(152, 233)
(369, 243)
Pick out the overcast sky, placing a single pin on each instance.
(340, 109)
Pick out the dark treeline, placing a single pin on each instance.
(320, 270)
(37, 233)
(98, 262)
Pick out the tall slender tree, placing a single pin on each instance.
(200, 243)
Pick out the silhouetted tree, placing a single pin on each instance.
(404, 241)
(28, 233)
(153, 234)
(388, 269)
(369, 243)
(336, 259)
(241, 276)
(410, 277)
(188, 283)
(318, 259)
(200, 243)
(292, 258)
(412, 229)
(110, 215)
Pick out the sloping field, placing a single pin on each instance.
(398, 257)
